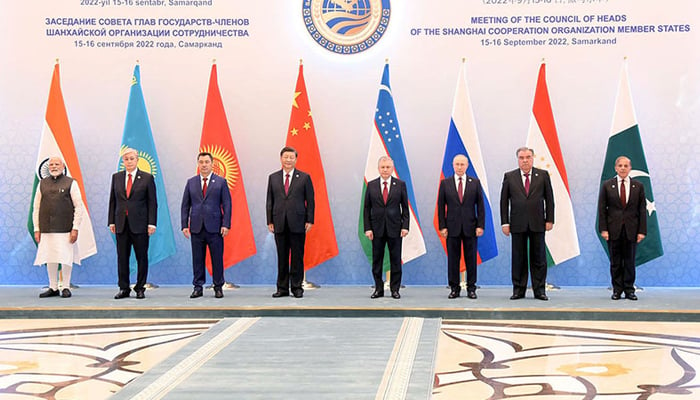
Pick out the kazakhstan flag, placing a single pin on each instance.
(138, 135)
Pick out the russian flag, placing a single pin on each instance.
(462, 138)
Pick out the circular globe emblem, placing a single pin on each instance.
(346, 26)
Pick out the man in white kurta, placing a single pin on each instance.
(58, 210)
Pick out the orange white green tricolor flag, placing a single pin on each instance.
(321, 244)
(562, 240)
(57, 140)
(239, 244)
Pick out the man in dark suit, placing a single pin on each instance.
(290, 214)
(133, 211)
(205, 216)
(527, 211)
(386, 220)
(460, 209)
(622, 222)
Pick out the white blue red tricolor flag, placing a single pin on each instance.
(462, 138)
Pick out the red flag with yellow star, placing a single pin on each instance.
(320, 240)
(239, 244)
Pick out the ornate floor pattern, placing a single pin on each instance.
(567, 360)
(84, 359)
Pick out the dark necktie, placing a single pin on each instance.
(460, 189)
(286, 184)
(527, 183)
(623, 194)
(204, 188)
(129, 183)
(385, 193)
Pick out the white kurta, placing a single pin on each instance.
(56, 247)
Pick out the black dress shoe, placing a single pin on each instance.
(218, 293)
(615, 296)
(141, 294)
(280, 294)
(122, 294)
(395, 295)
(49, 293)
(376, 294)
(196, 293)
(65, 293)
(453, 295)
(517, 296)
(542, 297)
(631, 296)
(298, 294)
(471, 295)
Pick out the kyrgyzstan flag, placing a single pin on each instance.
(239, 244)
(321, 244)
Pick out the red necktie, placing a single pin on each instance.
(460, 189)
(286, 184)
(385, 193)
(623, 194)
(129, 183)
(527, 183)
(204, 188)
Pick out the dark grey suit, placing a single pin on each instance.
(527, 215)
(131, 216)
(289, 212)
(386, 222)
(623, 224)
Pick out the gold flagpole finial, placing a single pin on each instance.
(623, 58)
(56, 60)
(213, 60)
(137, 61)
(301, 61)
(386, 60)
(542, 59)
(464, 60)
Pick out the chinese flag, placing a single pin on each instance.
(239, 244)
(320, 240)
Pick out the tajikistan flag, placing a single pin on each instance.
(386, 140)
(57, 140)
(562, 240)
(625, 140)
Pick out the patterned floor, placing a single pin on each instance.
(69, 359)
(567, 360)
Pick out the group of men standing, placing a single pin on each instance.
(526, 208)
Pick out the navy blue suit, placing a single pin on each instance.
(461, 220)
(205, 216)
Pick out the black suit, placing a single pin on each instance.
(289, 213)
(461, 220)
(527, 215)
(131, 217)
(386, 222)
(623, 224)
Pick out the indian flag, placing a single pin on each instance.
(57, 140)
(562, 240)
(386, 140)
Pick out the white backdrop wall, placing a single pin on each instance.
(257, 75)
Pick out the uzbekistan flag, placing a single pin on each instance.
(625, 140)
(386, 140)
(138, 135)
(462, 138)
(57, 140)
(321, 244)
(239, 244)
(562, 240)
